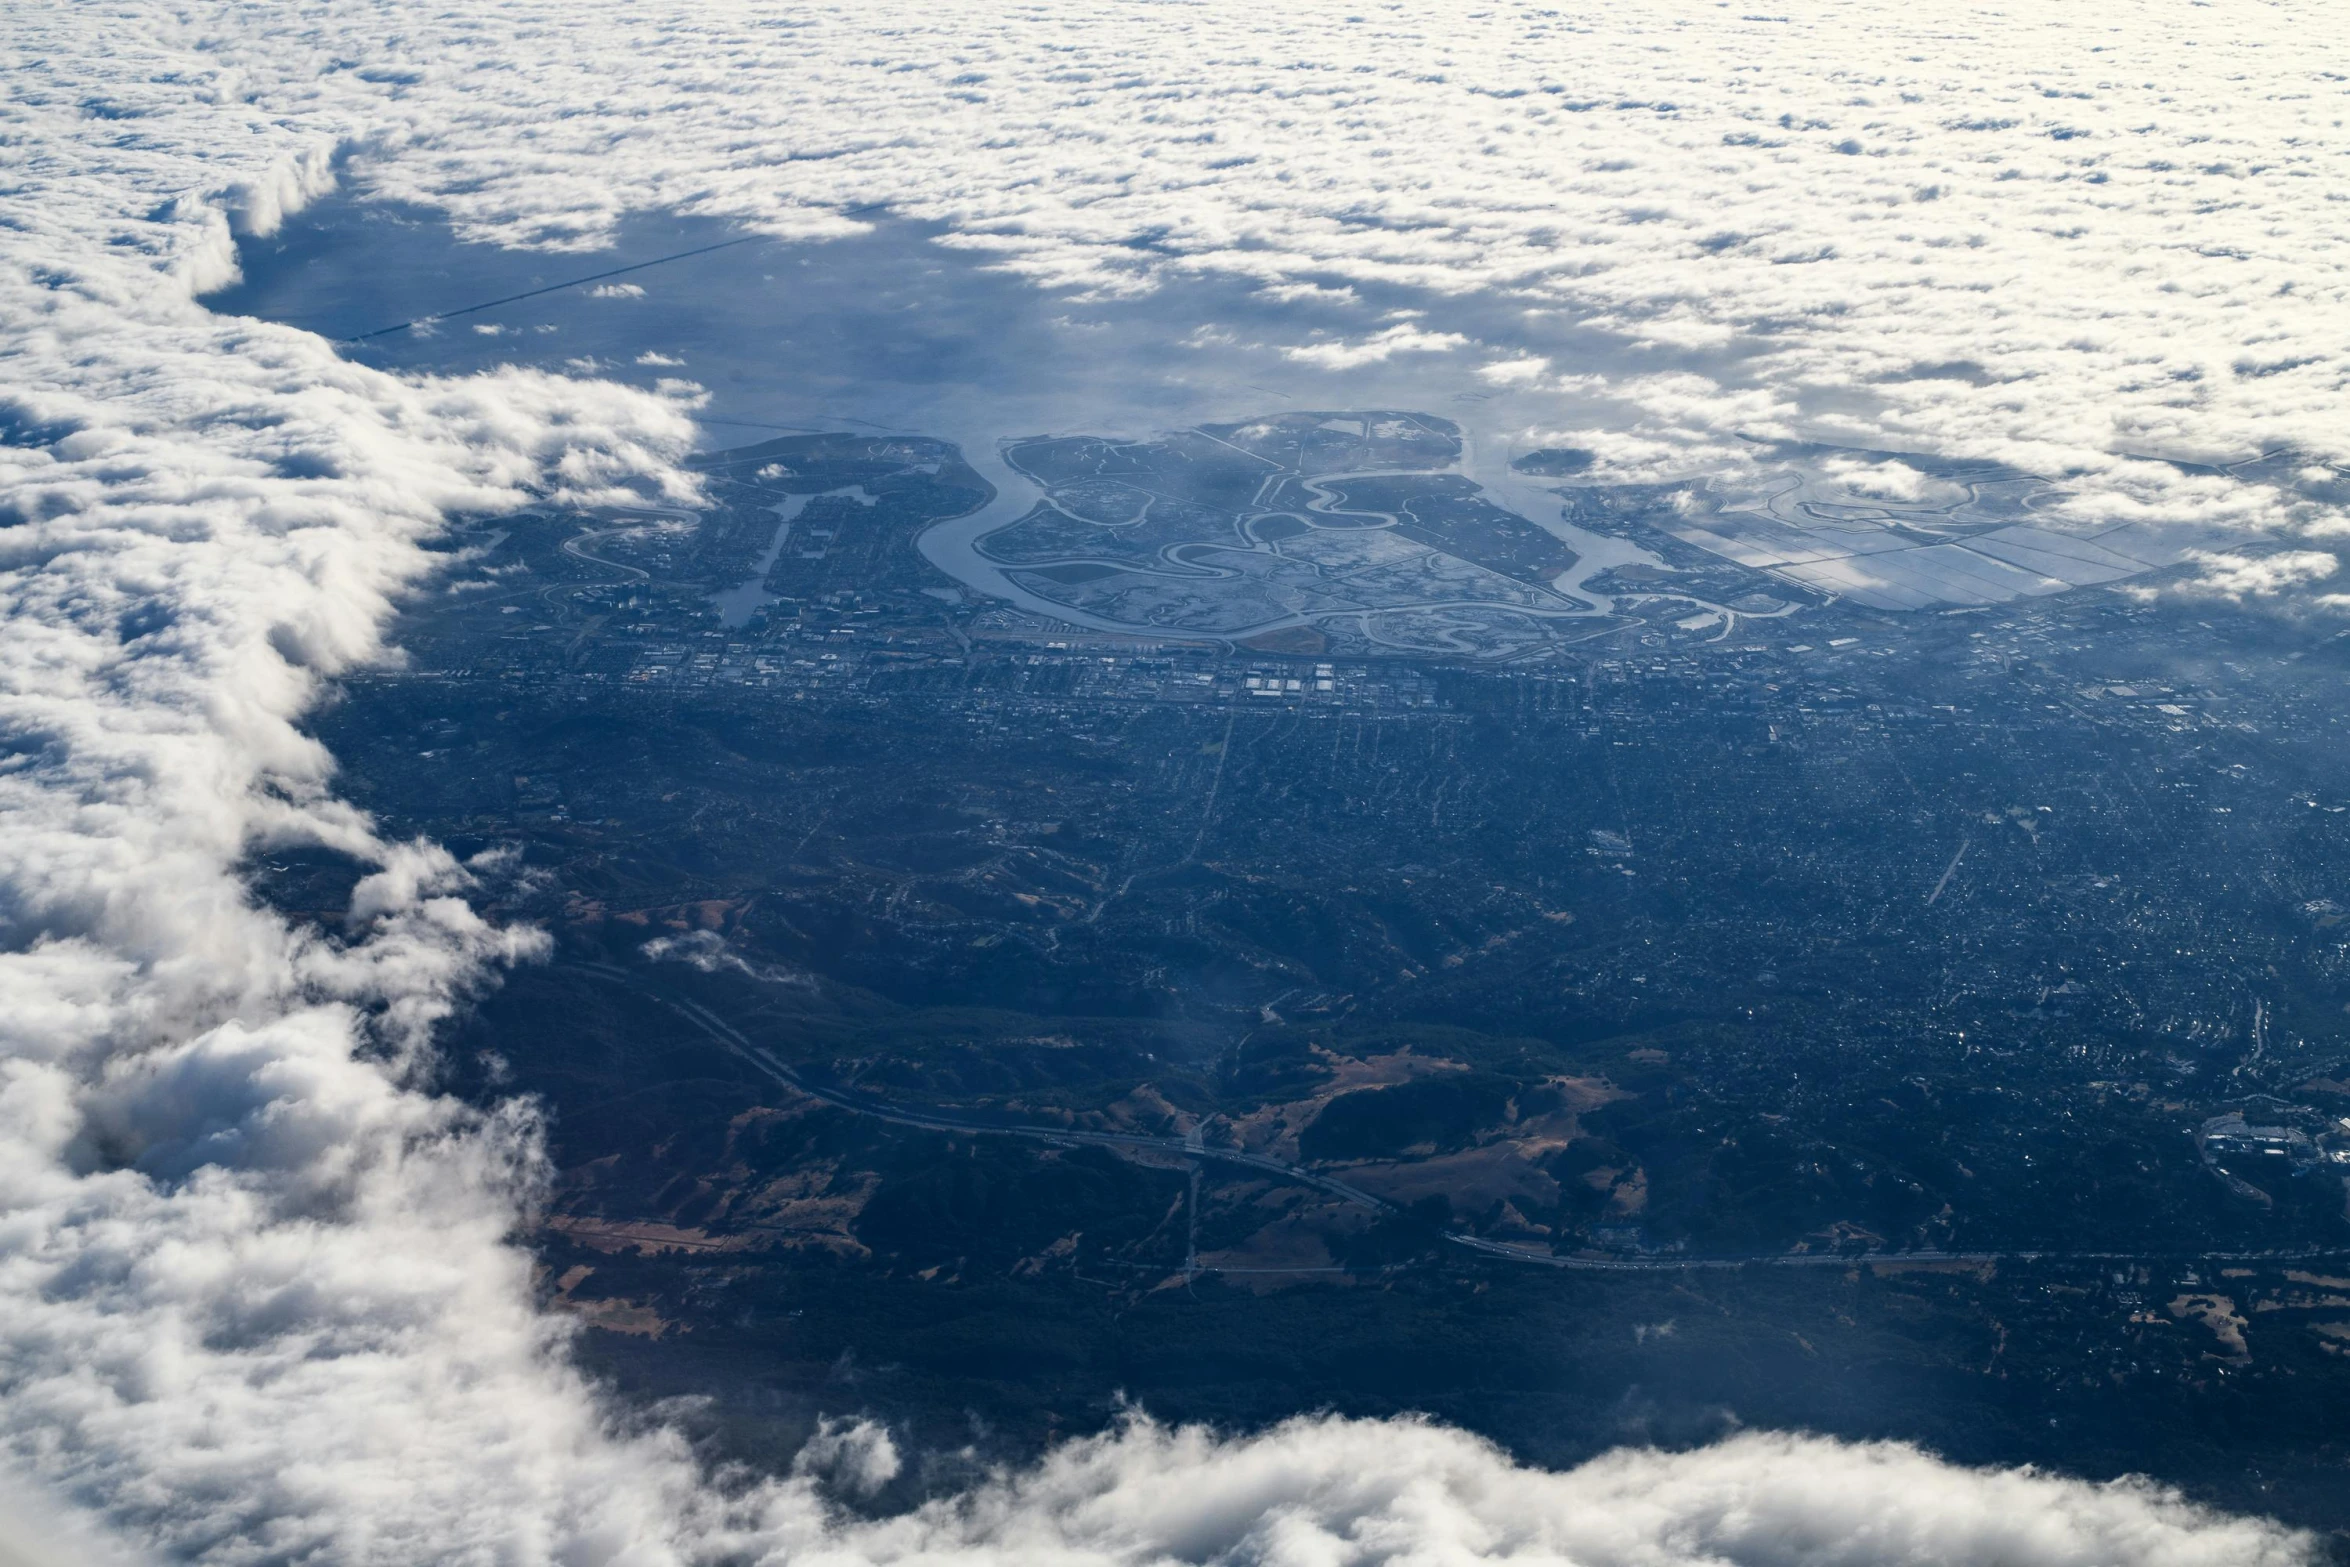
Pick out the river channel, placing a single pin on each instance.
(892, 332)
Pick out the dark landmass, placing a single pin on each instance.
(1558, 462)
(1924, 1026)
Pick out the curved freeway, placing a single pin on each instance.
(764, 1061)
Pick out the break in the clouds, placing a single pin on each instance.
(259, 1300)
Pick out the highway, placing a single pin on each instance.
(1191, 1147)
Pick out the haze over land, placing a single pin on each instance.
(267, 1285)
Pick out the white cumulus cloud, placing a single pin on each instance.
(1402, 338)
(1321, 1491)
(2227, 574)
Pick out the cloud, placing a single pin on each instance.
(1308, 293)
(258, 1299)
(858, 1456)
(617, 291)
(1525, 370)
(1402, 338)
(2121, 250)
(41, 1533)
(2227, 575)
(708, 952)
(256, 1295)
(1890, 481)
(1316, 1491)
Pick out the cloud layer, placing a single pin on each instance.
(1335, 1491)
(257, 1297)
(2051, 236)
